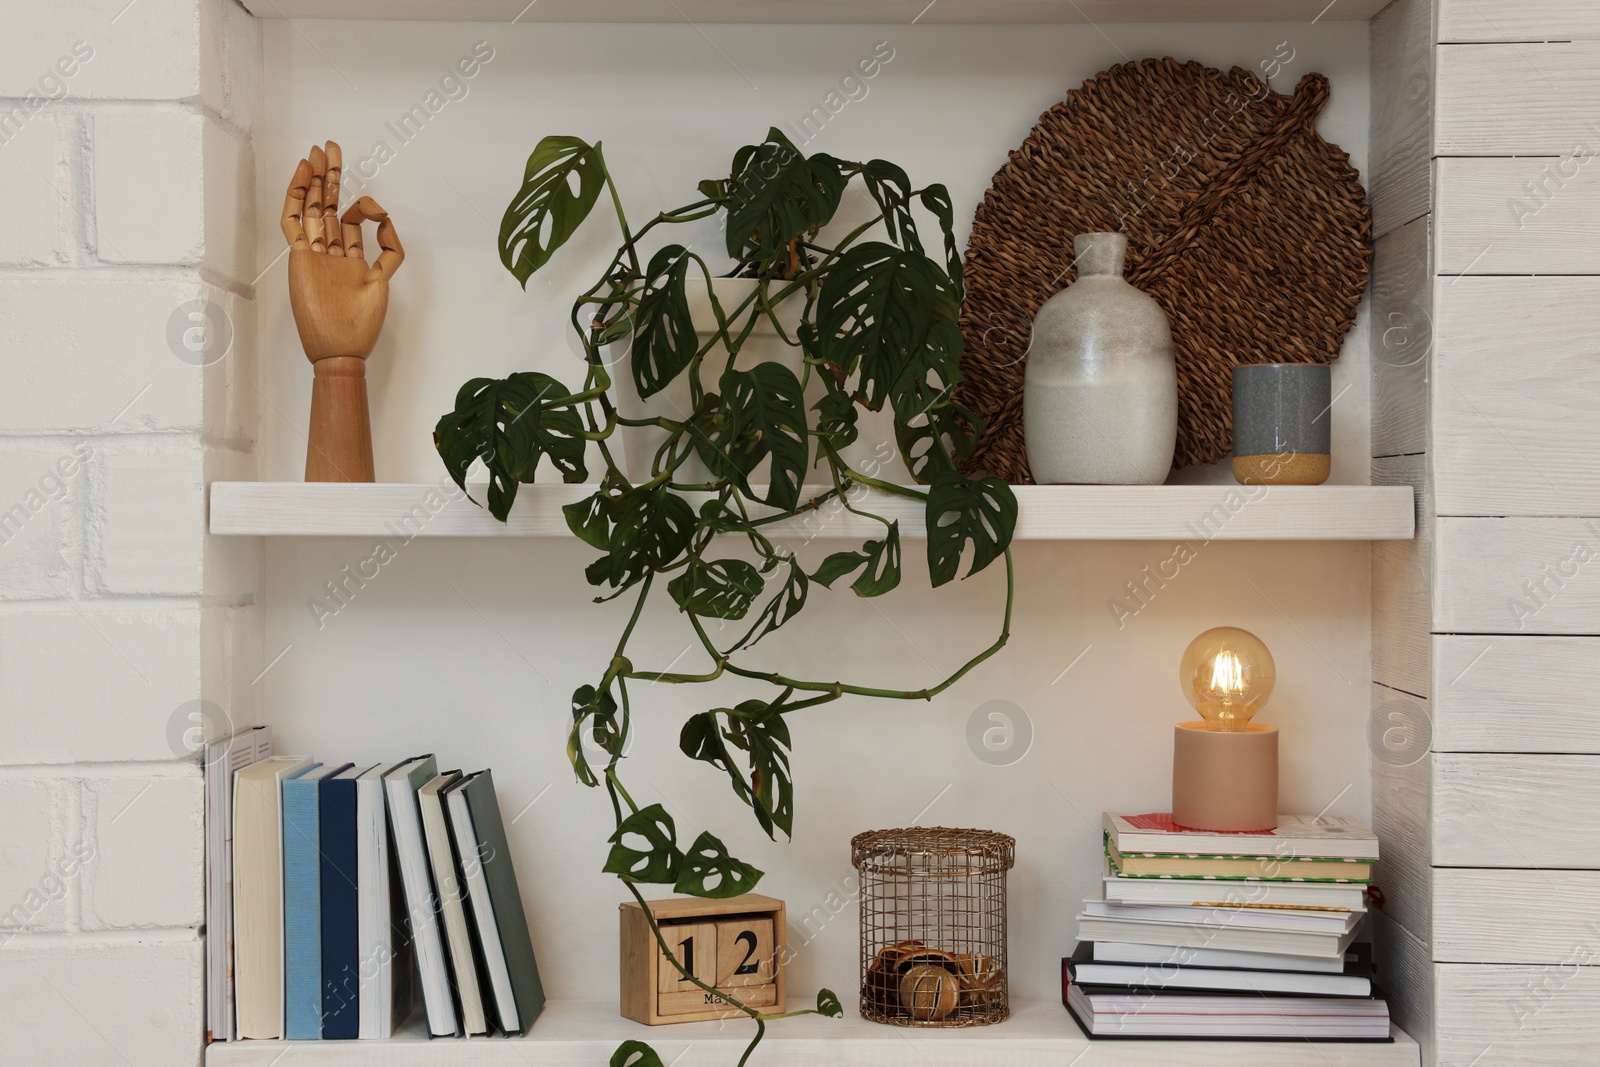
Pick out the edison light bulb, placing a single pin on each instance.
(1227, 674)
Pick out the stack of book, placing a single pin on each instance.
(1228, 935)
(345, 880)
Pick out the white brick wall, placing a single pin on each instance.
(127, 334)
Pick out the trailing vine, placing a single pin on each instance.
(879, 326)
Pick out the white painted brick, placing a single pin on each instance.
(32, 887)
(147, 517)
(233, 565)
(148, 837)
(95, 683)
(41, 497)
(230, 61)
(231, 393)
(148, 166)
(149, 50)
(92, 351)
(92, 1003)
(33, 182)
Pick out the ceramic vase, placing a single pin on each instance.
(1282, 423)
(872, 453)
(1100, 398)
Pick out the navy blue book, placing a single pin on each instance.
(341, 930)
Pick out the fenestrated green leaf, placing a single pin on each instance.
(658, 860)
(506, 423)
(590, 519)
(891, 189)
(776, 195)
(836, 420)
(781, 608)
(708, 871)
(936, 198)
(650, 529)
(721, 589)
(595, 711)
(664, 342)
(828, 1004)
(874, 312)
(635, 1054)
(758, 729)
(934, 445)
(882, 561)
(761, 412)
(982, 511)
(546, 210)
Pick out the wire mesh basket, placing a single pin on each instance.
(933, 925)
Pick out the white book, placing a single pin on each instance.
(483, 911)
(1147, 932)
(222, 759)
(1186, 956)
(385, 997)
(1249, 894)
(1155, 976)
(422, 906)
(258, 894)
(1105, 1012)
(458, 940)
(1332, 922)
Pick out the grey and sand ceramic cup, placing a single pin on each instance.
(1282, 423)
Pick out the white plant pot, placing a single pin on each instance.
(873, 453)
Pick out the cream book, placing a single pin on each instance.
(258, 894)
(441, 855)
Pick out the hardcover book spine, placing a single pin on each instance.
(341, 944)
(302, 912)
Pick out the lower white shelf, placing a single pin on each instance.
(575, 1033)
(1044, 512)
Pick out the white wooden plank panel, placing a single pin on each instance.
(1516, 575)
(1405, 971)
(1516, 396)
(1401, 805)
(1516, 694)
(1518, 20)
(1487, 221)
(1400, 174)
(1515, 810)
(1517, 99)
(824, 11)
(1402, 586)
(1528, 917)
(1046, 512)
(1403, 331)
(1504, 1016)
(585, 1034)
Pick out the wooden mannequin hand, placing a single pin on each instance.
(339, 301)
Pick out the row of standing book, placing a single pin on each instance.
(1228, 935)
(333, 891)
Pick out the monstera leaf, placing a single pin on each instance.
(546, 210)
(778, 194)
(635, 1054)
(721, 589)
(708, 871)
(656, 859)
(758, 729)
(882, 561)
(761, 412)
(664, 342)
(781, 608)
(596, 711)
(651, 528)
(508, 424)
(962, 510)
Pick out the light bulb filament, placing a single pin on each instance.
(1227, 675)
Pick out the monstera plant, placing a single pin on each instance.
(876, 325)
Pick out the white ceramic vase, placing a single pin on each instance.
(873, 453)
(1100, 398)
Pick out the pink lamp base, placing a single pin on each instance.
(1225, 780)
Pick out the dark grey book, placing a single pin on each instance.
(496, 902)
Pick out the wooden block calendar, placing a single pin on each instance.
(733, 945)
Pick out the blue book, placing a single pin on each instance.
(302, 905)
(341, 924)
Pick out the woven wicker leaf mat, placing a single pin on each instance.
(1251, 231)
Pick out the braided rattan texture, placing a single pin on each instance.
(1251, 231)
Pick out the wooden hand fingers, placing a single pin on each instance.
(330, 199)
(294, 206)
(314, 230)
(390, 254)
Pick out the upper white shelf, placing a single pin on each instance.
(585, 1033)
(825, 11)
(1046, 512)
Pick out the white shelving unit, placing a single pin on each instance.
(825, 11)
(585, 1033)
(1046, 512)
